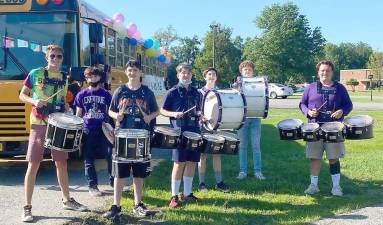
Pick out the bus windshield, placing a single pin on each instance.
(25, 36)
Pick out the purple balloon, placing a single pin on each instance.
(132, 29)
(118, 17)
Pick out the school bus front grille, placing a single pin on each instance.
(12, 120)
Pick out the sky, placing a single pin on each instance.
(340, 20)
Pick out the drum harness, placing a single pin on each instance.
(325, 112)
(190, 118)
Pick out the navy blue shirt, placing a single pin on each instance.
(180, 99)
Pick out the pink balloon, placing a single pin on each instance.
(162, 50)
(118, 17)
(108, 21)
(131, 28)
(137, 35)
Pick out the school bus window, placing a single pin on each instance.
(111, 47)
(120, 56)
(85, 43)
(126, 49)
(101, 46)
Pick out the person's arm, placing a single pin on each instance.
(168, 113)
(303, 105)
(24, 97)
(346, 104)
(167, 106)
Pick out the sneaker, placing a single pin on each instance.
(73, 205)
(337, 191)
(27, 214)
(312, 189)
(94, 191)
(202, 187)
(112, 212)
(222, 187)
(241, 175)
(140, 210)
(191, 198)
(259, 176)
(174, 202)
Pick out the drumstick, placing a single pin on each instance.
(322, 105)
(189, 109)
(53, 95)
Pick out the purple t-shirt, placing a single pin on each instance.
(94, 106)
(330, 99)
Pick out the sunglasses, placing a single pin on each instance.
(52, 56)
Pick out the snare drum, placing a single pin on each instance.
(256, 93)
(311, 132)
(212, 144)
(333, 132)
(231, 144)
(290, 129)
(165, 137)
(359, 127)
(191, 141)
(131, 145)
(224, 109)
(64, 132)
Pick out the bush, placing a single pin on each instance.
(353, 83)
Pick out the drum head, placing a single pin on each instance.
(211, 111)
(358, 121)
(290, 124)
(65, 120)
(310, 127)
(332, 127)
(213, 138)
(228, 136)
(168, 131)
(132, 133)
(191, 135)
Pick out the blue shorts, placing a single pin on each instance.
(183, 155)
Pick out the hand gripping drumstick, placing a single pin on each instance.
(142, 111)
(53, 95)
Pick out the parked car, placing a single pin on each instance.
(279, 90)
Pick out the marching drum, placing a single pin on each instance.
(212, 144)
(333, 132)
(131, 145)
(256, 93)
(311, 132)
(290, 129)
(191, 141)
(64, 132)
(231, 144)
(359, 127)
(224, 109)
(165, 137)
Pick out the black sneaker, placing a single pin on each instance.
(112, 212)
(27, 214)
(191, 198)
(140, 210)
(222, 187)
(202, 187)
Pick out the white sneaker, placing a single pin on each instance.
(312, 189)
(27, 214)
(259, 176)
(337, 191)
(241, 175)
(95, 192)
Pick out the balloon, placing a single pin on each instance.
(137, 35)
(156, 44)
(162, 58)
(132, 41)
(132, 29)
(42, 2)
(108, 21)
(162, 50)
(148, 43)
(119, 17)
(149, 52)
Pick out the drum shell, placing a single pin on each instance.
(364, 132)
(290, 134)
(334, 136)
(256, 93)
(164, 141)
(311, 136)
(230, 147)
(132, 149)
(211, 147)
(191, 144)
(60, 139)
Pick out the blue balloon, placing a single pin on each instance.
(162, 58)
(132, 41)
(148, 43)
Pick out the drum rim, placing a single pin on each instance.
(76, 126)
(119, 132)
(192, 137)
(298, 120)
(219, 139)
(219, 119)
(176, 134)
(346, 121)
(325, 129)
(316, 128)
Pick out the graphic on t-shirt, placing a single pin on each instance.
(94, 104)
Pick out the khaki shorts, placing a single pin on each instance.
(314, 150)
(36, 146)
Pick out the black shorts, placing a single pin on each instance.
(122, 170)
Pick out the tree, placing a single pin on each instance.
(227, 54)
(287, 47)
(375, 64)
(166, 36)
(187, 49)
(353, 83)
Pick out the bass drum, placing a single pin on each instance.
(359, 127)
(290, 129)
(256, 93)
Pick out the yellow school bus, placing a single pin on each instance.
(28, 26)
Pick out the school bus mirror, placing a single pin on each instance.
(96, 33)
(77, 73)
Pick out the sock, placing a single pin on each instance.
(218, 176)
(188, 182)
(335, 179)
(314, 180)
(175, 187)
(201, 177)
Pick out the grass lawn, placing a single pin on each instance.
(279, 199)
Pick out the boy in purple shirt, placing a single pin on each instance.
(92, 105)
(325, 101)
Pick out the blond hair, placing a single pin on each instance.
(54, 48)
